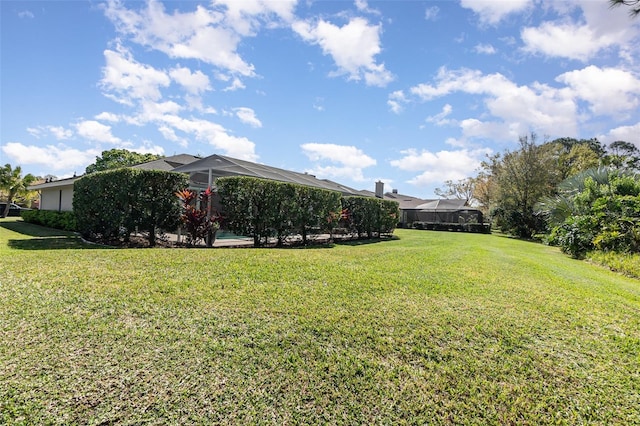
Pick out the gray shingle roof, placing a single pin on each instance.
(167, 163)
(221, 166)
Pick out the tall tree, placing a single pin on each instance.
(623, 155)
(462, 189)
(12, 181)
(485, 191)
(116, 158)
(634, 6)
(576, 155)
(522, 178)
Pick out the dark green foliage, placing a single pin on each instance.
(315, 210)
(117, 158)
(367, 216)
(51, 219)
(522, 178)
(601, 210)
(111, 205)
(264, 208)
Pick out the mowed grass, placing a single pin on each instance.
(430, 328)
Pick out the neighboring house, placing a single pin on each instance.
(57, 195)
(446, 211)
(414, 209)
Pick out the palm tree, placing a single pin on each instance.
(12, 181)
(561, 205)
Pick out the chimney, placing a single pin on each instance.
(395, 191)
(379, 189)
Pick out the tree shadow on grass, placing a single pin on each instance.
(51, 243)
(366, 241)
(33, 230)
(44, 238)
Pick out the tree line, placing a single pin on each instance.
(578, 193)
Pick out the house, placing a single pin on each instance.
(431, 211)
(57, 195)
(203, 172)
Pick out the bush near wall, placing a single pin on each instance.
(51, 219)
(110, 205)
(262, 208)
(368, 216)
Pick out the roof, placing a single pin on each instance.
(167, 163)
(444, 205)
(54, 183)
(405, 202)
(221, 166)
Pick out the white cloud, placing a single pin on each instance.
(431, 13)
(129, 79)
(599, 27)
(342, 154)
(245, 17)
(493, 11)
(517, 108)
(570, 41)
(248, 116)
(485, 49)
(107, 116)
(608, 91)
(95, 131)
(236, 84)
(211, 133)
(353, 48)
(201, 34)
(623, 133)
(53, 157)
(437, 167)
(193, 82)
(440, 119)
(36, 132)
(147, 147)
(348, 161)
(26, 14)
(396, 101)
(60, 132)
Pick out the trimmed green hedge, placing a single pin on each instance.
(368, 216)
(110, 205)
(263, 208)
(51, 219)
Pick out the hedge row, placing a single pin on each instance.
(262, 208)
(111, 205)
(51, 219)
(368, 216)
(478, 228)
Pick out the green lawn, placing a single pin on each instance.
(430, 328)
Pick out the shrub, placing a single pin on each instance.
(110, 205)
(199, 222)
(52, 219)
(263, 208)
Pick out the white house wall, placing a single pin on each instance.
(57, 198)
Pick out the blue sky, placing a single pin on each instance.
(408, 92)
